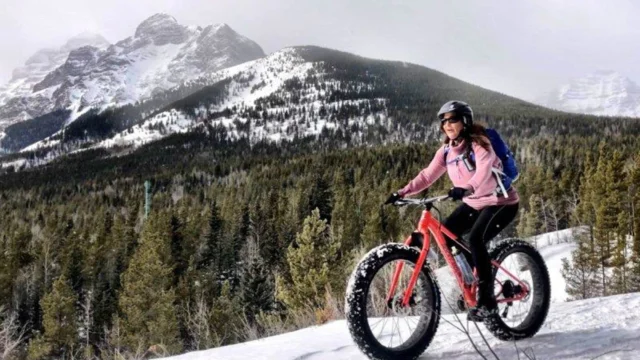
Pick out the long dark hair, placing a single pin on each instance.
(475, 133)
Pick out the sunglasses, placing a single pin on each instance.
(451, 120)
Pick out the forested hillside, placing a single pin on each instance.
(233, 247)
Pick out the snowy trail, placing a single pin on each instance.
(574, 330)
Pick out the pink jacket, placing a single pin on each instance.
(481, 180)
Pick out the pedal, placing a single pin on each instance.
(462, 306)
(506, 311)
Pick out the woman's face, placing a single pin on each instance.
(451, 125)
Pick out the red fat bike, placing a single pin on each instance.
(393, 300)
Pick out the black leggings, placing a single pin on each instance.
(482, 226)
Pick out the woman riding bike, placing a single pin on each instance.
(485, 210)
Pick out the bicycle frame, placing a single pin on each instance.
(429, 225)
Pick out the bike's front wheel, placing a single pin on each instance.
(381, 326)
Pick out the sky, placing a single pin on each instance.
(521, 48)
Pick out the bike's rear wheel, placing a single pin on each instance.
(381, 327)
(521, 318)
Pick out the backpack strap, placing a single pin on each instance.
(499, 174)
(469, 154)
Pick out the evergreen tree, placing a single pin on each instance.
(15, 256)
(59, 321)
(581, 273)
(310, 263)
(147, 299)
(616, 194)
(212, 253)
(634, 219)
(177, 249)
(240, 237)
(373, 233)
(606, 214)
(225, 316)
(266, 231)
(531, 223)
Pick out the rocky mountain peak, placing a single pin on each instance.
(85, 73)
(602, 92)
(86, 39)
(162, 29)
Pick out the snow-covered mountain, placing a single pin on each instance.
(21, 86)
(600, 93)
(319, 96)
(249, 85)
(162, 54)
(585, 329)
(289, 94)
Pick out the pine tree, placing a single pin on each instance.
(214, 240)
(225, 316)
(339, 211)
(616, 188)
(309, 264)
(373, 234)
(266, 231)
(606, 214)
(581, 273)
(147, 298)
(59, 321)
(15, 256)
(634, 219)
(240, 237)
(257, 288)
(179, 258)
(530, 220)
(318, 195)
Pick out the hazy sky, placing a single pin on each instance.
(521, 48)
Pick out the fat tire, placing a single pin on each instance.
(494, 323)
(356, 303)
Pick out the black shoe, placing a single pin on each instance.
(480, 313)
(486, 307)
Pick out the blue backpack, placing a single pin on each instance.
(509, 173)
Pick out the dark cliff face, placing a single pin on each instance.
(79, 61)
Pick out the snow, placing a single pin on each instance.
(131, 70)
(553, 255)
(16, 164)
(173, 122)
(574, 330)
(600, 93)
(251, 81)
(585, 329)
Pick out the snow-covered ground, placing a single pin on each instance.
(574, 330)
(606, 328)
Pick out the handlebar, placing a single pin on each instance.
(426, 202)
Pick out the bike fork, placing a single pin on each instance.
(416, 238)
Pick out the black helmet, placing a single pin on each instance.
(460, 109)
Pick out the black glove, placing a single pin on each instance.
(393, 198)
(457, 193)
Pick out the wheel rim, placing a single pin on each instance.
(521, 312)
(395, 326)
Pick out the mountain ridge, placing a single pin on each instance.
(602, 92)
(162, 54)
